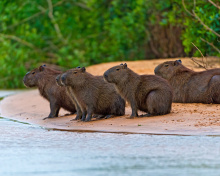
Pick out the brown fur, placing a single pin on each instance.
(190, 86)
(44, 79)
(93, 94)
(148, 93)
(71, 96)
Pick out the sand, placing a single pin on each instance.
(185, 119)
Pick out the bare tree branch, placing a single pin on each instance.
(198, 63)
(32, 17)
(184, 6)
(206, 27)
(211, 44)
(82, 6)
(204, 65)
(19, 40)
(56, 26)
(214, 4)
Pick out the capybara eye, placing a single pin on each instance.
(74, 72)
(33, 73)
(166, 65)
(117, 69)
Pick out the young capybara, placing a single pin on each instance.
(190, 86)
(93, 94)
(148, 93)
(70, 94)
(44, 79)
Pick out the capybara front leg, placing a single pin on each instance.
(54, 110)
(84, 113)
(79, 113)
(89, 116)
(134, 110)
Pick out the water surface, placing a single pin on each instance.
(28, 150)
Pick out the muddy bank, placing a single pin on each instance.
(185, 119)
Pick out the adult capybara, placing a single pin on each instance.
(148, 93)
(71, 96)
(93, 94)
(190, 86)
(44, 79)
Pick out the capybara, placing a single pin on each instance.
(70, 93)
(45, 80)
(148, 93)
(190, 86)
(93, 94)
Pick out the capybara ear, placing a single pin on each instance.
(176, 63)
(83, 69)
(41, 68)
(125, 66)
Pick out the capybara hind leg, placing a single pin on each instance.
(215, 88)
(146, 115)
(98, 116)
(153, 103)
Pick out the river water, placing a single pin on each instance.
(28, 150)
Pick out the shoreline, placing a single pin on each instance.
(184, 119)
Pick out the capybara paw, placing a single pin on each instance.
(47, 118)
(145, 115)
(100, 116)
(87, 120)
(109, 116)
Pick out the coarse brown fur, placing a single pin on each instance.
(148, 93)
(93, 94)
(44, 79)
(71, 96)
(190, 86)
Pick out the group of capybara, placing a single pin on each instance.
(78, 91)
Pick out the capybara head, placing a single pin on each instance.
(58, 80)
(75, 76)
(31, 77)
(116, 74)
(167, 69)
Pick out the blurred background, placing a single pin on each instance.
(70, 33)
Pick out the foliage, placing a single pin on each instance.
(70, 33)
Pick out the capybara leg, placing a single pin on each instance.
(79, 114)
(89, 116)
(134, 110)
(84, 113)
(146, 115)
(97, 116)
(57, 112)
(54, 111)
(215, 86)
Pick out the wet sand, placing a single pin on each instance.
(185, 119)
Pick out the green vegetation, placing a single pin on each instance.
(72, 33)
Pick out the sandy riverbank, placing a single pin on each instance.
(185, 119)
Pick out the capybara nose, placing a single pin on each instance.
(63, 78)
(105, 75)
(156, 70)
